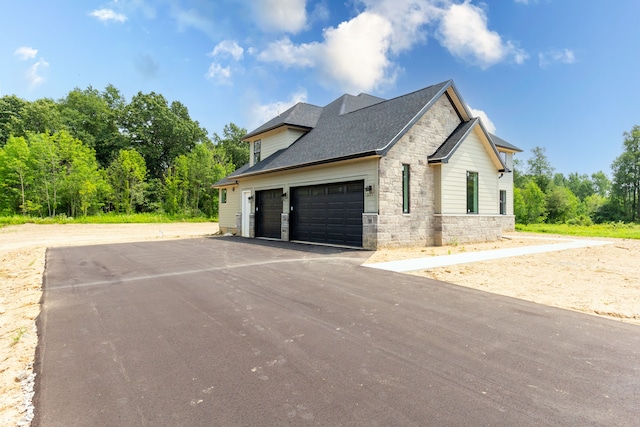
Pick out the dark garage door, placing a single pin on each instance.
(329, 213)
(268, 211)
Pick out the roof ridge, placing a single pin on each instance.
(400, 96)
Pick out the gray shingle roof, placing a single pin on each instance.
(445, 151)
(342, 132)
(355, 126)
(504, 144)
(301, 114)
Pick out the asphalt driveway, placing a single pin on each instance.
(228, 331)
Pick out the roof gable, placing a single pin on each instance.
(457, 137)
(300, 115)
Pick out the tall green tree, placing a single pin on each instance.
(232, 144)
(159, 132)
(561, 204)
(534, 204)
(540, 168)
(15, 174)
(581, 185)
(626, 175)
(90, 117)
(127, 174)
(39, 116)
(10, 114)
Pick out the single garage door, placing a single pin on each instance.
(328, 213)
(268, 213)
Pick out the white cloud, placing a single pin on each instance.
(288, 16)
(286, 53)
(359, 54)
(563, 56)
(408, 18)
(25, 53)
(219, 74)
(261, 113)
(228, 48)
(484, 118)
(33, 73)
(106, 15)
(464, 32)
(354, 54)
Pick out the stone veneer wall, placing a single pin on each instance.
(370, 231)
(459, 229)
(284, 227)
(395, 229)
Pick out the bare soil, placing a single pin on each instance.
(602, 280)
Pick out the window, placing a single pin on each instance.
(405, 188)
(257, 145)
(223, 195)
(503, 202)
(472, 192)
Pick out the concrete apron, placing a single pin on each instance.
(470, 257)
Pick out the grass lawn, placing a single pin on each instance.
(102, 219)
(614, 230)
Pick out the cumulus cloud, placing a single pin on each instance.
(562, 56)
(219, 74)
(261, 113)
(354, 54)
(228, 48)
(25, 53)
(108, 15)
(464, 32)
(484, 118)
(288, 16)
(33, 74)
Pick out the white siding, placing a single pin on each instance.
(275, 140)
(470, 156)
(227, 212)
(506, 182)
(278, 141)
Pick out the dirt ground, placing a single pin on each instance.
(602, 280)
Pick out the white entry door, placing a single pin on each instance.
(246, 212)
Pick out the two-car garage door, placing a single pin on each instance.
(328, 213)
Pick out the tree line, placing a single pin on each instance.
(542, 196)
(93, 152)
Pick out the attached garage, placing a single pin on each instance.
(328, 213)
(268, 213)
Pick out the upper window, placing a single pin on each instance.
(223, 195)
(472, 192)
(405, 188)
(257, 146)
(503, 202)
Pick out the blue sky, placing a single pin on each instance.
(561, 74)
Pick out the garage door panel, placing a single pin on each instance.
(330, 213)
(268, 213)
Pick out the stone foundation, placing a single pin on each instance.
(458, 229)
(284, 227)
(370, 231)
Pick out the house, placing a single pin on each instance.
(416, 170)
